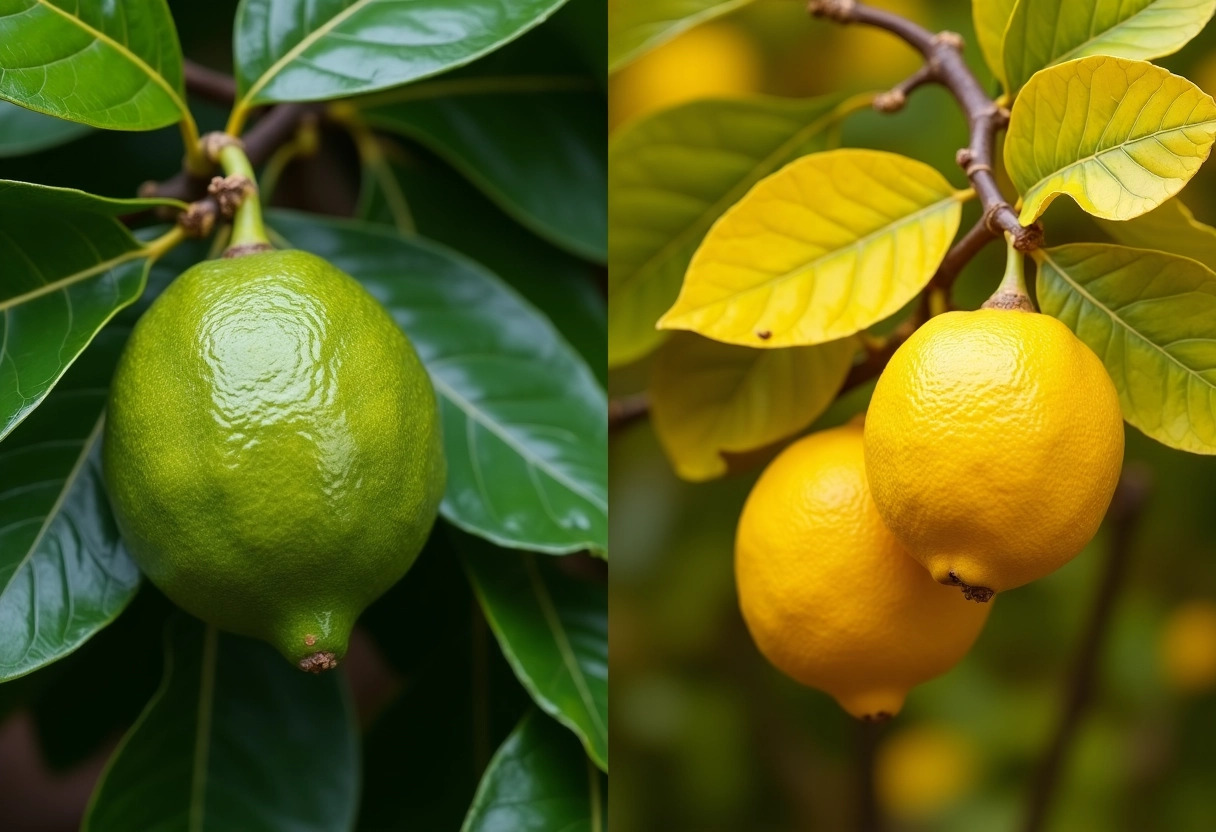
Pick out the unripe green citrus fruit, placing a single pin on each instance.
(272, 450)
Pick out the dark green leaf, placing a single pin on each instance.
(235, 738)
(564, 287)
(553, 629)
(539, 780)
(534, 146)
(525, 428)
(25, 131)
(115, 65)
(66, 266)
(298, 50)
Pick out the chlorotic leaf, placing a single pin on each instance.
(539, 779)
(1042, 33)
(311, 50)
(115, 65)
(637, 26)
(823, 248)
(1118, 136)
(235, 738)
(990, 18)
(672, 174)
(707, 398)
(524, 419)
(1172, 228)
(1151, 318)
(553, 630)
(25, 131)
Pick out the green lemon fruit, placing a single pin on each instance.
(272, 450)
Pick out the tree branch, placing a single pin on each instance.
(868, 817)
(209, 84)
(944, 65)
(1125, 510)
(627, 409)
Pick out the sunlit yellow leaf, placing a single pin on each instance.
(708, 398)
(990, 18)
(1151, 318)
(1046, 32)
(1118, 136)
(1172, 228)
(826, 246)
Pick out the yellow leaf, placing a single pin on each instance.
(708, 398)
(1118, 136)
(825, 247)
(990, 18)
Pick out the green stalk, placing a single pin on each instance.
(1012, 294)
(248, 231)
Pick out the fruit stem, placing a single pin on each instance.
(1012, 294)
(248, 232)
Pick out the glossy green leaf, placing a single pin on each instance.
(539, 779)
(234, 738)
(310, 50)
(1171, 227)
(1042, 33)
(672, 174)
(115, 65)
(525, 428)
(64, 573)
(535, 149)
(709, 398)
(553, 629)
(1151, 318)
(566, 288)
(25, 131)
(823, 248)
(1118, 136)
(66, 266)
(990, 18)
(637, 26)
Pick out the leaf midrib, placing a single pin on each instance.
(202, 731)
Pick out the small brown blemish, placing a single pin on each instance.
(879, 716)
(318, 662)
(764, 334)
(980, 594)
(310, 639)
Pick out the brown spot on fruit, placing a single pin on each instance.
(764, 334)
(319, 662)
(310, 639)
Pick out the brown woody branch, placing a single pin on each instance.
(209, 84)
(627, 409)
(944, 65)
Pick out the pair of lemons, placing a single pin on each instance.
(989, 454)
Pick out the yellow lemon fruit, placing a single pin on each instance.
(716, 59)
(922, 770)
(829, 595)
(1188, 648)
(993, 445)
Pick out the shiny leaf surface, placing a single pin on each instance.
(1118, 136)
(66, 266)
(553, 629)
(535, 147)
(990, 18)
(671, 175)
(539, 780)
(1042, 33)
(1151, 318)
(235, 738)
(25, 131)
(637, 26)
(115, 65)
(1171, 227)
(525, 430)
(823, 248)
(309, 50)
(708, 398)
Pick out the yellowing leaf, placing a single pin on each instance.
(672, 174)
(990, 18)
(1151, 318)
(1172, 228)
(823, 248)
(708, 398)
(1046, 32)
(637, 26)
(1118, 136)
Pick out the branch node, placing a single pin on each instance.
(199, 219)
(1029, 238)
(964, 157)
(951, 39)
(840, 11)
(230, 192)
(213, 143)
(891, 101)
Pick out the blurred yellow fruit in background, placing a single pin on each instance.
(1188, 647)
(920, 771)
(716, 59)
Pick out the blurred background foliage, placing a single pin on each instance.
(716, 739)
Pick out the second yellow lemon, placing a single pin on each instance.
(993, 443)
(829, 596)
